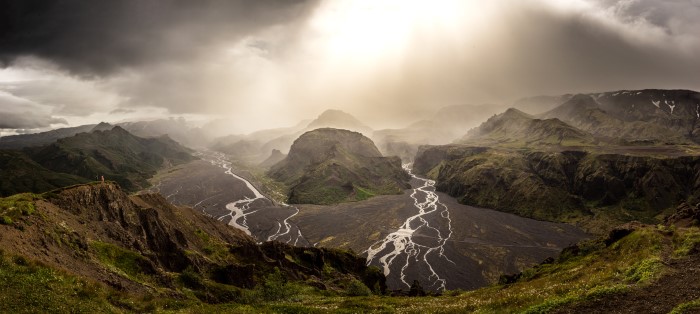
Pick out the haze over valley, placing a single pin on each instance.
(350, 156)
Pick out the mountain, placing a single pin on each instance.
(130, 253)
(445, 126)
(339, 120)
(538, 104)
(115, 154)
(43, 138)
(326, 166)
(255, 147)
(176, 129)
(241, 149)
(565, 186)
(586, 113)
(516, 128)
(275, 157)
(650, 116)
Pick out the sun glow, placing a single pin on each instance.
(380, 29)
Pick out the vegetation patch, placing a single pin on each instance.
(15, 206)
(688, 307)
(644, 271)
(687, 241)
(127, 262)
(29, 287)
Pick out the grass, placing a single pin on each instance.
(12, 208)
(686, 240)
(590, 272)
(688, 307)
(122, 261)
(29, 287)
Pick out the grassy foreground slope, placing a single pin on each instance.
(653, 268)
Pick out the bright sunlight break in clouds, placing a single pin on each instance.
(261, 64)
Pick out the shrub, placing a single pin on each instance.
(190, 278)
(356, 288)
(5, 220)
(275, 287)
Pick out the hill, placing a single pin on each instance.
(20, 174)
(326, 166)
(95, 248)
(516, 128)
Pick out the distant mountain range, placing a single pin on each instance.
(327, 166)
(176, 129)
(115, 154)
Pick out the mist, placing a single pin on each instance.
(267, 64)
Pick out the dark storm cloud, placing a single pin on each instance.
(99, 37)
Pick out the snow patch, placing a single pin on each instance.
(615, 94)
(672, 107)
(656, 103)
(639, 93)
(697, 110)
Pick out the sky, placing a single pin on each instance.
(259, 64)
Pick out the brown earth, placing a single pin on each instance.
(679, 285)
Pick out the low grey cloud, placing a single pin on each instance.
(17, 113)
(27, 120)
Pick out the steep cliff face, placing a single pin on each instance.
(558, 185)
(327, 166)
(139, 242)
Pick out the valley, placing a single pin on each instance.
(419, 235)
(210, 186)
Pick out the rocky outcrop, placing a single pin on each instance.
(327, 166)
(686, 215)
